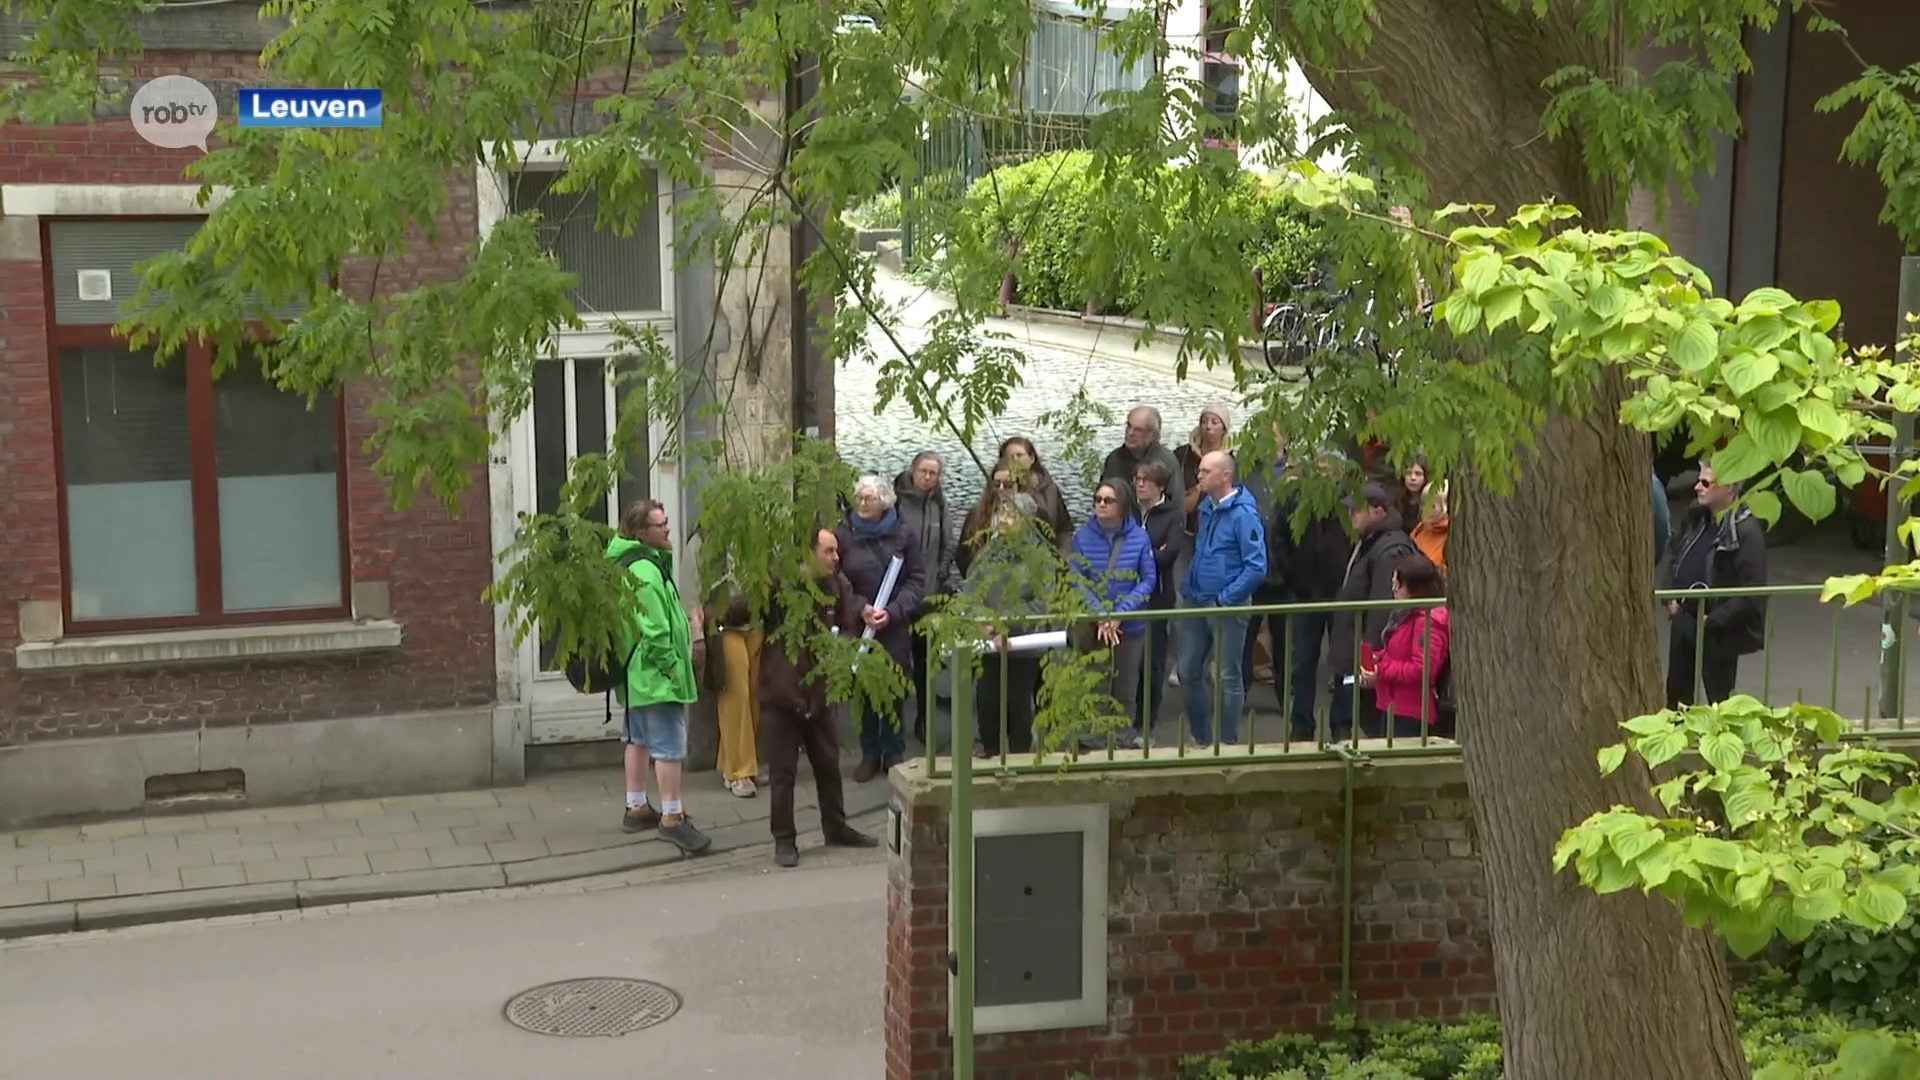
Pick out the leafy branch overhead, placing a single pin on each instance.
(1777, 827)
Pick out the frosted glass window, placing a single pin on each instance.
(616, 273)
(277, 462)
(129, 485)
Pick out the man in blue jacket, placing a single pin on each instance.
(1229, 562)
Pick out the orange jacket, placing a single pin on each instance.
(1431, 538)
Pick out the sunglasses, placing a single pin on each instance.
(1104, 500)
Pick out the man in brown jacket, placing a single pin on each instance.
(794, 712)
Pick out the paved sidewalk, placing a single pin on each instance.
(230, 862)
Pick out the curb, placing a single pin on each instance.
(36, 920)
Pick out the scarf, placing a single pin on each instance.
(888, 522)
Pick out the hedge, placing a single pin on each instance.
(1784, 1031)
(1052, 201)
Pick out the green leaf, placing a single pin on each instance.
(1740, 460)
(1818, 906)
(1855, 588)
(1826, 314)
(1745, 932)
(1747, 371)
(1696, 346)
(1611, 758)
(1723, 750)
(1462, 314)
(1812, 495)
(1776, 432)
(1650, 723)
(1720, 854)
(1819, 416)
(1765, 506)
(1479, 272)
(1747, 802)
(1660, 748)
(1502, 306)
(1883, 903)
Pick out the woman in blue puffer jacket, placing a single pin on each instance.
(1113, 556)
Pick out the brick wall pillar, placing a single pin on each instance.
(1223, 916)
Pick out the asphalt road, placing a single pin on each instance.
(780, 971)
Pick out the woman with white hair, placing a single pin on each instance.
(870, 537)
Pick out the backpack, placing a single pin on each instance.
(592, 671)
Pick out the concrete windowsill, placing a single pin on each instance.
(225, 644)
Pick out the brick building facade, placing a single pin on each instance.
(205, 584)
(1221, 918)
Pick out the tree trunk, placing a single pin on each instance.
(1550, 593)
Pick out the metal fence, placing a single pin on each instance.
(1885, 685)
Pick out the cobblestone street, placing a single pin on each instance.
(1061, 360)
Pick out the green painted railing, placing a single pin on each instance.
(1183, 751)
(1355, 752)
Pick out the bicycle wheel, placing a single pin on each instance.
(1282, 336)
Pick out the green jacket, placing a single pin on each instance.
(661, 671)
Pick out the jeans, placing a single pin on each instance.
(661, 729)
(881, 737)
(1196, 642)
(1310, 629)
(1158, 662)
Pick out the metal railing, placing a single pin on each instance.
(1325, 742)
(1351, 753)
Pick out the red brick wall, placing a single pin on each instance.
(1223, 923)
(435, 566)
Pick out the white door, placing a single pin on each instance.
(573, 413)
(621, 278)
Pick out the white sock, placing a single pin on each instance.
(636, 799)
(669, 806)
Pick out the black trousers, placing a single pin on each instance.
(922, 700)
(786, 732)
(1719, 666)
(1023, 682)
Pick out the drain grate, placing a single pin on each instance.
(575, 1008)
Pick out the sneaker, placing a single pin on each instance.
(786, 854)
(640, 819)
(679, 831)
(849, 837)
(741, 788)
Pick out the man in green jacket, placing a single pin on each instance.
(660, 683)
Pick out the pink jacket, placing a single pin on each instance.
(1399, 667)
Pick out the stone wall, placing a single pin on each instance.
(1223, 916)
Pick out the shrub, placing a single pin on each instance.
(1787, 1036)
(1051, 202)
(1870, 977)
(880, 212)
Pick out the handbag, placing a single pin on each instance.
(1086, 633)
(713, 675)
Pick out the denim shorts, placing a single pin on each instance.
(662, 729)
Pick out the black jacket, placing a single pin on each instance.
(1312, 566)
(925, 516)
(1739, 561)
(1167, 532)
(863, 559)
(1369, 576)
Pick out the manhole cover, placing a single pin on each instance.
(582, 1007)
